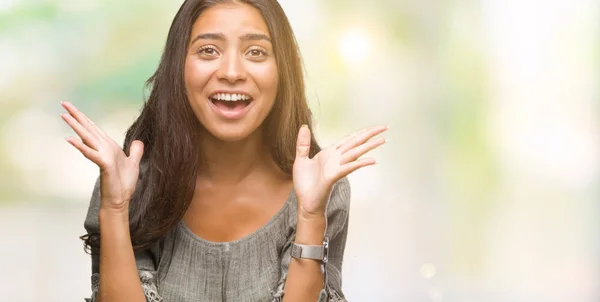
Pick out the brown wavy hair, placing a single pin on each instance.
(170, 130)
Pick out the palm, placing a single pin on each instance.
(314, 177)
(309, 173)
(118, 172)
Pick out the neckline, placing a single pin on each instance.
(257, 232)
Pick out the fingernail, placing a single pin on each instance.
(304, 126)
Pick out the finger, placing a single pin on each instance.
(354, 153)
(83, 120)
(303, 142)
(361, 137)
(84, 134)
(348, 137)
(136, 151)
(353, 166)
(95, 127)
(88, 152)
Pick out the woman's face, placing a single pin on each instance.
(230, 70)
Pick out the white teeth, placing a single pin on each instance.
(230, 97)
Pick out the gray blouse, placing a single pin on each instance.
(185, 267)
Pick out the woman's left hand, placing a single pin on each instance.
(314, 177)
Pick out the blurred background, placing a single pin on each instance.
(488, 188)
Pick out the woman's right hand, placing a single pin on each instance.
(118, 172)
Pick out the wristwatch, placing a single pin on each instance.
(316, 252)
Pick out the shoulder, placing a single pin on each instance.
(91, 223)
(338, 208)
(339, 200)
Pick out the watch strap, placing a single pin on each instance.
(316, 252)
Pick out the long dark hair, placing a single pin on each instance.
(170, 130)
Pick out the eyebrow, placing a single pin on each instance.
(254, 37)
(220, 36)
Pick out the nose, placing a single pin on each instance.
(232, 68)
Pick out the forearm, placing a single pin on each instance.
(305, 280)
(119, 279)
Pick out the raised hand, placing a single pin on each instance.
(314, 177)
(118, 172)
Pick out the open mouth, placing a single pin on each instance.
(230, 102)
(232, 106)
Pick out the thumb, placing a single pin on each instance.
(303, 142)
(136, 150)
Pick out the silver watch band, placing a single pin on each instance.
(316, 252)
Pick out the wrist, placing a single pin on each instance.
(317, 206)
(310, 229)
(309, 217)
(112, 213)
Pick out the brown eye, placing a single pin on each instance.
(208, 50)
(256, 52)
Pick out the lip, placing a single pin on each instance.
(230, 115)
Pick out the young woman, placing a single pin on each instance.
(220, 193)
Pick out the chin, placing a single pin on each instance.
(231, 133)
